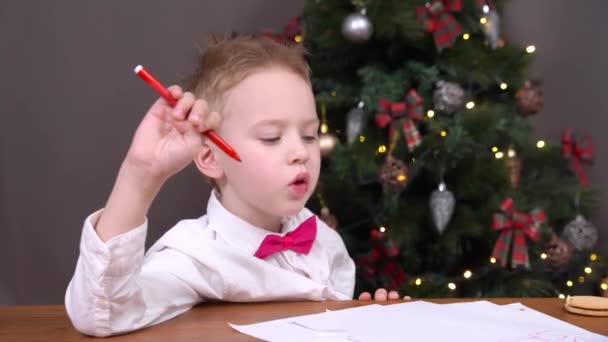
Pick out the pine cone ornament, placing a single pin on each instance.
(529, 99)
(559, 252)
(393, 173)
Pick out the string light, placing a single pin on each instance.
(604, 286)
(543, 256)
(382, 229)
(467, 274)
(503, 86)
(494, 149)
(588, 270)
(581, 279)
(569, 283)
(401, 178)
(418, 282)
(486, 9)
(361, 138)
(531, 49)
(333, 93)
(452, 286)
(493, 260)
(540, 144)
(593, 257)
(466, 36)
(297, 38)
(499, 155)
(470, 105)
(483, 20)
(382, 148)
(430, 113)
(561, 296)
(511, 153)
(443, 133)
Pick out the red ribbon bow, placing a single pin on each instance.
(515, 225)
(292, 29)
(436, 18)
(299, 240)
(402, 113)
(576, 152)
(381, 263)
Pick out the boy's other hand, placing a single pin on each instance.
(167, 138)
(382, 295)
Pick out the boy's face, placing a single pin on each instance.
(270, 119)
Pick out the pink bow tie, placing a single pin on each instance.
(299, 240)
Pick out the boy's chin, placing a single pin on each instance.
(291, 209)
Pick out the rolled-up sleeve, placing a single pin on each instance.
(113, 291)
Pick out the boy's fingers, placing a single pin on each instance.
(393, 295)
(380, 295)
(199, 114)
(365, 296)
(183, 106)
(407, 298)
(176, 91)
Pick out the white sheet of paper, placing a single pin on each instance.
(423, 321)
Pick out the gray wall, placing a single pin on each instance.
(70, 104)
(571, 62)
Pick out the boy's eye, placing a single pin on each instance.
(270, 140)
(310, 138)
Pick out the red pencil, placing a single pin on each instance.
(156, 85)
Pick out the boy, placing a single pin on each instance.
(262, 90)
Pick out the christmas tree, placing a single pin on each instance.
(431, 170)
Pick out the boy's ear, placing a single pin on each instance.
(207, 163)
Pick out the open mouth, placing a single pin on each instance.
(299, 186)
(301, 179)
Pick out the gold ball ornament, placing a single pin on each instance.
(514, 166)
(327, 143)
(604, 286)
(329, 219)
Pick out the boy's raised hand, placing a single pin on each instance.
(165, 142)
(167, 138)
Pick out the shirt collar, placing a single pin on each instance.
(241, 234)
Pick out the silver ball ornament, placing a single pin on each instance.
(448, 97)
(357, 27)
(581, 233)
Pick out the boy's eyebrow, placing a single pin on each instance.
(283, 123)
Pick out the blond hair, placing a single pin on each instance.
(230, 60)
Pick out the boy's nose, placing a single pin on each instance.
(298, 154)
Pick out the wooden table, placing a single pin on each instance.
(209, 321)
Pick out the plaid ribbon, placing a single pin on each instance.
(402, 114)
(515, 225)
(437, 19)
(380, 262)
(292, 29)
(577, 152)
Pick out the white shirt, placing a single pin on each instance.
(117, 289)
